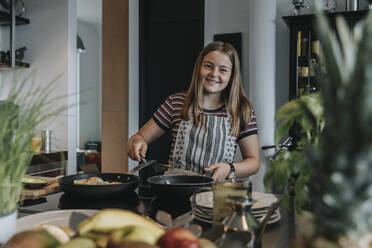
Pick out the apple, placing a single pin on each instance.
(178, 238)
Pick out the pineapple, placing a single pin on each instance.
(333, 168)
(341, 182)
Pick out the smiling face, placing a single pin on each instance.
(215, 72)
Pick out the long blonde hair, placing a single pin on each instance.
(237, 104)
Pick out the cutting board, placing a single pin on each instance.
(51, 187)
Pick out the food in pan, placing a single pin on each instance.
(93, 181)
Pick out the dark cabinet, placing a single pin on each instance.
(171, 37)
(305, 50)
(9, 19)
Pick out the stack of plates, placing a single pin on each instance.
(203, 207)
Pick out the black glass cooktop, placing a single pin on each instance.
(130, 201)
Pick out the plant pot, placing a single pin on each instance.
(7, 226)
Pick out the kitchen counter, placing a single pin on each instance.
(276, 235)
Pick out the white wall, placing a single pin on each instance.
(50, 39)
(71, 86)
(222, 16)
(133, 71)
(284, 8)
(90, 111)
(46, 39)
(257, 69)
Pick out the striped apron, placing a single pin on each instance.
(206, 144)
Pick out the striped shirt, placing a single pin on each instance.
(196, 147)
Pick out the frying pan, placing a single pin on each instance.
(178, 186)
(128, 184)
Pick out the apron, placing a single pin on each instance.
(206, 144)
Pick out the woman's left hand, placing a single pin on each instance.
(221, 170)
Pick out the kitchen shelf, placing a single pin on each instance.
(305, 52)
(18, 65)
(303, 43)
(5, 19)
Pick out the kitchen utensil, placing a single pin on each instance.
(202, 206)
(352, 5)
(128, 184)
(143, 163)
(178, 186)
(46, 140)
(152, 168)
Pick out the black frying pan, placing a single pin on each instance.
(178, 186)
(128, 184)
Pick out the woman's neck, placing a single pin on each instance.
(211, 101)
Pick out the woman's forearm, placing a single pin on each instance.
(246, 167)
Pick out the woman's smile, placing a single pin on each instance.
(211, 81)
(216, 72)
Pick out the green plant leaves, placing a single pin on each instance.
(26, 106)
(307, 111)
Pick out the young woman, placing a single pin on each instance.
(207, 122)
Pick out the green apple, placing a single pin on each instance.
(133, 233)
(32, 239)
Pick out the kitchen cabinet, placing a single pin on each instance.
(9, 19)
(305, 52)
(50, 164)
(169, 31)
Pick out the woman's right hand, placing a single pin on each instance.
(137, 147)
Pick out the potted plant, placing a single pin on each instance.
(24, 107)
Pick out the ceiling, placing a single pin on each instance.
(89, 11)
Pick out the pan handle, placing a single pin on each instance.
(143, 159)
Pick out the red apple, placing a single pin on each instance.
(178, 238)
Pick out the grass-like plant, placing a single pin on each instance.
(25, 107)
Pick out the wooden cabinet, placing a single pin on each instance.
(305, 50)
(11, 20)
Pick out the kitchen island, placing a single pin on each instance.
(276, 235)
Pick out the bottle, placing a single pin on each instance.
(352, 5)
(299, 37)
(315, 48)
(302, 48)
(303, 80)
(46, 141)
